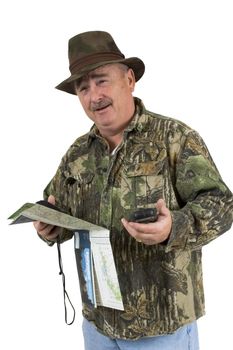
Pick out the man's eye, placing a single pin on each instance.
(102, 81)
(82, 88)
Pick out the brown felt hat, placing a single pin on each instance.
(90, 50)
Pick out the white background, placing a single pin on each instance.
(187, 49)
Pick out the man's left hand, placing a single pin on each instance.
(153, 232)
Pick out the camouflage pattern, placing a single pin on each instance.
(160, 157)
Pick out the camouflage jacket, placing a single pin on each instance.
(160, 157)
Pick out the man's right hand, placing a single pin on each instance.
(46, 231)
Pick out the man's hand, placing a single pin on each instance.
(47, 231)
(154, 232)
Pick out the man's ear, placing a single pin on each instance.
(131, 79)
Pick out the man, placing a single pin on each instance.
(132, 159)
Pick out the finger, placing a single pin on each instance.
(163, 211)
(160, 205)
(51, 199)
(47, 230)
(39, 225)
(49, 233)
(148, 228)
(127, 225)
(141, 232)
(43, 229)
(53, 234)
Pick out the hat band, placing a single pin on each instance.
(94, 58)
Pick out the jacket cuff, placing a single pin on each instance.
(181, 234)
(50, 243)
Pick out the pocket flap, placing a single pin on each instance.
(81, 179)
(144, 168)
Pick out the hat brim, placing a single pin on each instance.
(135, 63)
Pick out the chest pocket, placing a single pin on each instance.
(142, 184)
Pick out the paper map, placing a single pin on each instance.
(95, 262)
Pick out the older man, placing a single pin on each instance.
(132, 158)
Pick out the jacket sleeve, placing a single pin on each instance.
(206, 204)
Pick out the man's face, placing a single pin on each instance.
(106, 96)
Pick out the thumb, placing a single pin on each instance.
(51, 199)
(161, 207)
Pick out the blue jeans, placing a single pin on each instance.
(185, 338)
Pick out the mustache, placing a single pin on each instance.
(95, 106)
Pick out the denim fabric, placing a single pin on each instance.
(185, 338)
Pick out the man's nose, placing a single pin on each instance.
(95, 93)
